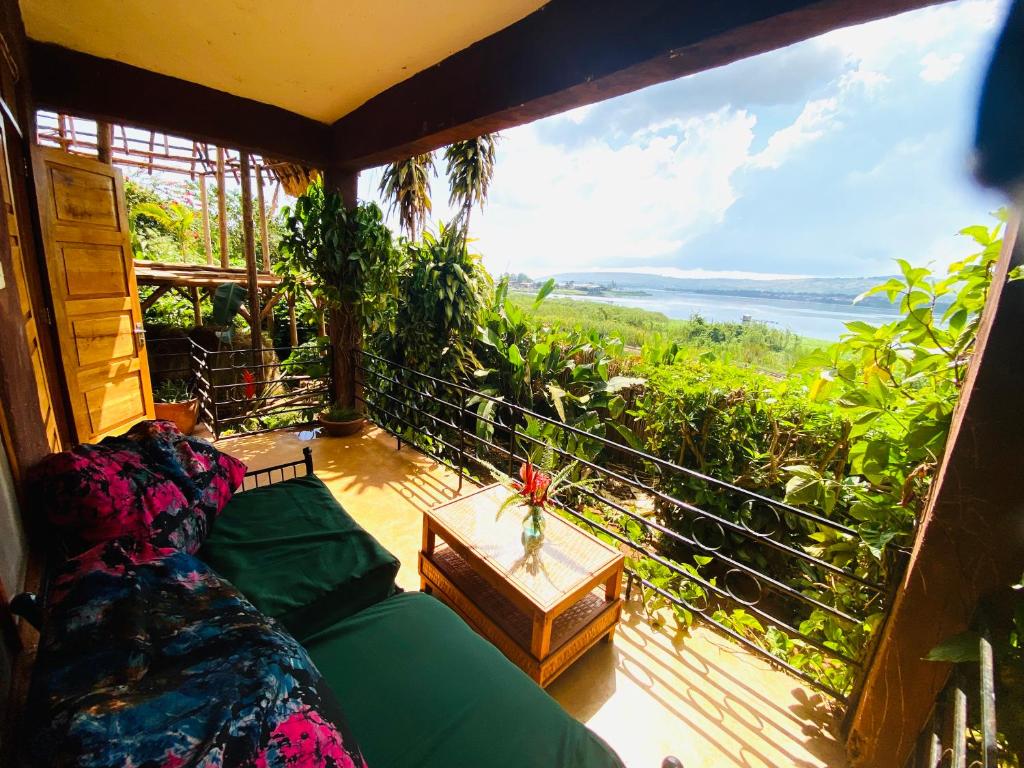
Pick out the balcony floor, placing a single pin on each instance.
(652, 693)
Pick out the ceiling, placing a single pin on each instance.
(318, 58)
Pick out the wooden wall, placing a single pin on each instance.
(23, 431)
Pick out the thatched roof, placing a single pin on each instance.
(294, 178)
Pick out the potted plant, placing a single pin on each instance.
(339, 421)
(346, 256)
(175, 401)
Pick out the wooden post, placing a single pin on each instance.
(103, 141)
(264, 229)
(321, 318)
(293, 328)
(344, 326)
(222, 209)
(264, 238)
(197, 306)
(273, 200)
(204, 201)
(249, 246)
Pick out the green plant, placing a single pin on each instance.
(897, 384)
(176, 218)
(348, 253)
(470, 167)
(173, 391)
(309, 359)
(341, 413)
(406, 186)
(353, 263)
(443, 288)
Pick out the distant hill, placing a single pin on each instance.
(835, 290)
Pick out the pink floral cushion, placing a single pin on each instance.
(151, 484)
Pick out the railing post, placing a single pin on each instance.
(511, 441)
(987, 695)
(213, 397)
(462, 435)
(398, 427)
(307, 457)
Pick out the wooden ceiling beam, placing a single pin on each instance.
(78, 83)
(576, 52)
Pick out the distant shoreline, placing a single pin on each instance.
(603, 293)
(835, 291)
(844, 300)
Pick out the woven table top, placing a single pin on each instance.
(566, 561)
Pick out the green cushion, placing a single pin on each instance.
(297, 556)
(422, 690)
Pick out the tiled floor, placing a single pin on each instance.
(651, 693)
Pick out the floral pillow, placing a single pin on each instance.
(151, 484)
(148, 658)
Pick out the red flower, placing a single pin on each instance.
(535, 484)
(250, 387)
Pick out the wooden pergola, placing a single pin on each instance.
(192, 282)
(163, 153)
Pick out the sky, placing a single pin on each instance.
(831, 157)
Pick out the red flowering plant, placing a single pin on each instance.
(535, 490)
(250, 384)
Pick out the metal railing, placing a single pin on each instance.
(239, 393)
(443, 419)
(962, 729)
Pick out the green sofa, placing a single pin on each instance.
(419, 687)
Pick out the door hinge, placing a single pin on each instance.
(24, 167)
(49, 317)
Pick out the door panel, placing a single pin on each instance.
(46, 408)
(95, 297)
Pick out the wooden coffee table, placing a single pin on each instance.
(542, 609)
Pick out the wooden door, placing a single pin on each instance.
(95, 299)
(31, 322)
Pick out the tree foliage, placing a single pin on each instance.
(349, 253)
(470, 167)
(405, 186)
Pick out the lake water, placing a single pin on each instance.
(816, 320)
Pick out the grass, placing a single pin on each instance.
(752, 344)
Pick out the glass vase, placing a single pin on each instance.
(533, 527)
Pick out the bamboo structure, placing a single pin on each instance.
(104, 135)
(160, 153)
(204, 202)
(264, 226)
(249, 247)
(222, 209)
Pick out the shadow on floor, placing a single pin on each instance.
(652, 693)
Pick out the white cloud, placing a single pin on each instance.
(640, 199)
(577, 115)
(555, 208)
(870, 81)
(875, 46)
(936, 68)
(817, 118)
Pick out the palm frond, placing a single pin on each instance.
(405, 186)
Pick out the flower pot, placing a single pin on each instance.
(342, 428)
(183, 414)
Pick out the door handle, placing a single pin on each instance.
(140, 334)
